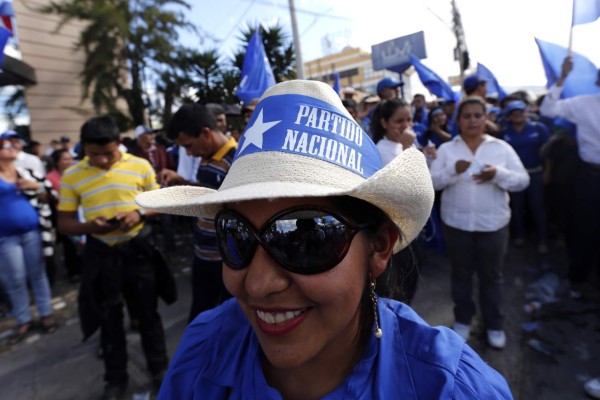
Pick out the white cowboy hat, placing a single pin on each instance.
(302, 142)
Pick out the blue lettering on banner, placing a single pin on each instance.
(298, 124)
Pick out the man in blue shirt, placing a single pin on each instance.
(527, 138)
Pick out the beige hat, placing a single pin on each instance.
(302, 142)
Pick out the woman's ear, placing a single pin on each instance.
(382, 248)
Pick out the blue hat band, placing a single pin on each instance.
(303, 125)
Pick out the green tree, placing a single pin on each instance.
(278, 47)
(207, 69)
(128, 45)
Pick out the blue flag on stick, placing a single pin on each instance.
(580, 80)
(257, 75)
(431, 80)
(336, 83)
(585, 11)
(493, 87)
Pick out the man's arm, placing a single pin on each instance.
(69, 224)
(553, 106)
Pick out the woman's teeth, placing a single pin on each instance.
(277, 318)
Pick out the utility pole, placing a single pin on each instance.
(461, 54)
(299, 64)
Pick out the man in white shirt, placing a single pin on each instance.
(584, 112)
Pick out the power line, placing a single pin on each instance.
(299, 10)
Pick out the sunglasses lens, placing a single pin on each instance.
(236, 241)
(307, 241)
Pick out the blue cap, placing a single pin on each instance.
(514, 105)
(387, 83)
(10, 134)
(470, 83)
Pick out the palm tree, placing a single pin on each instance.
(128, 46)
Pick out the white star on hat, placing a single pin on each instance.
(254, 134)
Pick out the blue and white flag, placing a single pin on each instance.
(303, 125)
(581, 79)
(493, 87)
(431, 80)
(585, 11)
(257, 75)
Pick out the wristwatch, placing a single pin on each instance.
(142, 213)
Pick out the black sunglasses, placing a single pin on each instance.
(303, 240)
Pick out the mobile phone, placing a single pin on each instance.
(113, 221)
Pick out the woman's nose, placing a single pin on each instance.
(265, 276)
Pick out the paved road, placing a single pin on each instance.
(60, 367)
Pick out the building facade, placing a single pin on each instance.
(354, 67)
(55, 102)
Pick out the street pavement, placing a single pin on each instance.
(566, 351)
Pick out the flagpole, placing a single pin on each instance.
(299, 64)
(569, 49)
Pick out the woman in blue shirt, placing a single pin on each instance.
(309, 324)
(21, 246)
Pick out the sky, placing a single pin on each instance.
(499, 33)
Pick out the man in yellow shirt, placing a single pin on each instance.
(118, 263)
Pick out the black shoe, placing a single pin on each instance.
(114, 391)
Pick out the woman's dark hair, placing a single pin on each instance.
(469, 101)
(55, 157)
(191, 119)
(384, 110)
(390, 283)
(100, 131)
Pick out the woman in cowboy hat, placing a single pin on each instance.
(308, 324)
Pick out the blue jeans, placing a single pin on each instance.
(21, 261)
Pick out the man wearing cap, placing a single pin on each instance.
(25, 160)
(475, 86)
(65, 143)
(388, 88)
(146, 148)
(584, 112)
(348, 93)
(194, 128)
(527, 138)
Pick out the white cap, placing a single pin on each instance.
(140, 130)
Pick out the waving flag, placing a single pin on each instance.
(6, 14)
(493, 87)
(431, 80)
(257, 75)
(585, 11)
(336, 83)
(582, 77)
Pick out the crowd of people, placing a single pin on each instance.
(484, 171)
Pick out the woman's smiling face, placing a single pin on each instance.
(300, 319)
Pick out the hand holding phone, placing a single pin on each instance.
(113, 221)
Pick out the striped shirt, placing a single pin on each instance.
(102, 192)
(211, 173)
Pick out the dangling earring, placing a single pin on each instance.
(378, 332)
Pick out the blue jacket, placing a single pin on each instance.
(527, 143)
(219, 358)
